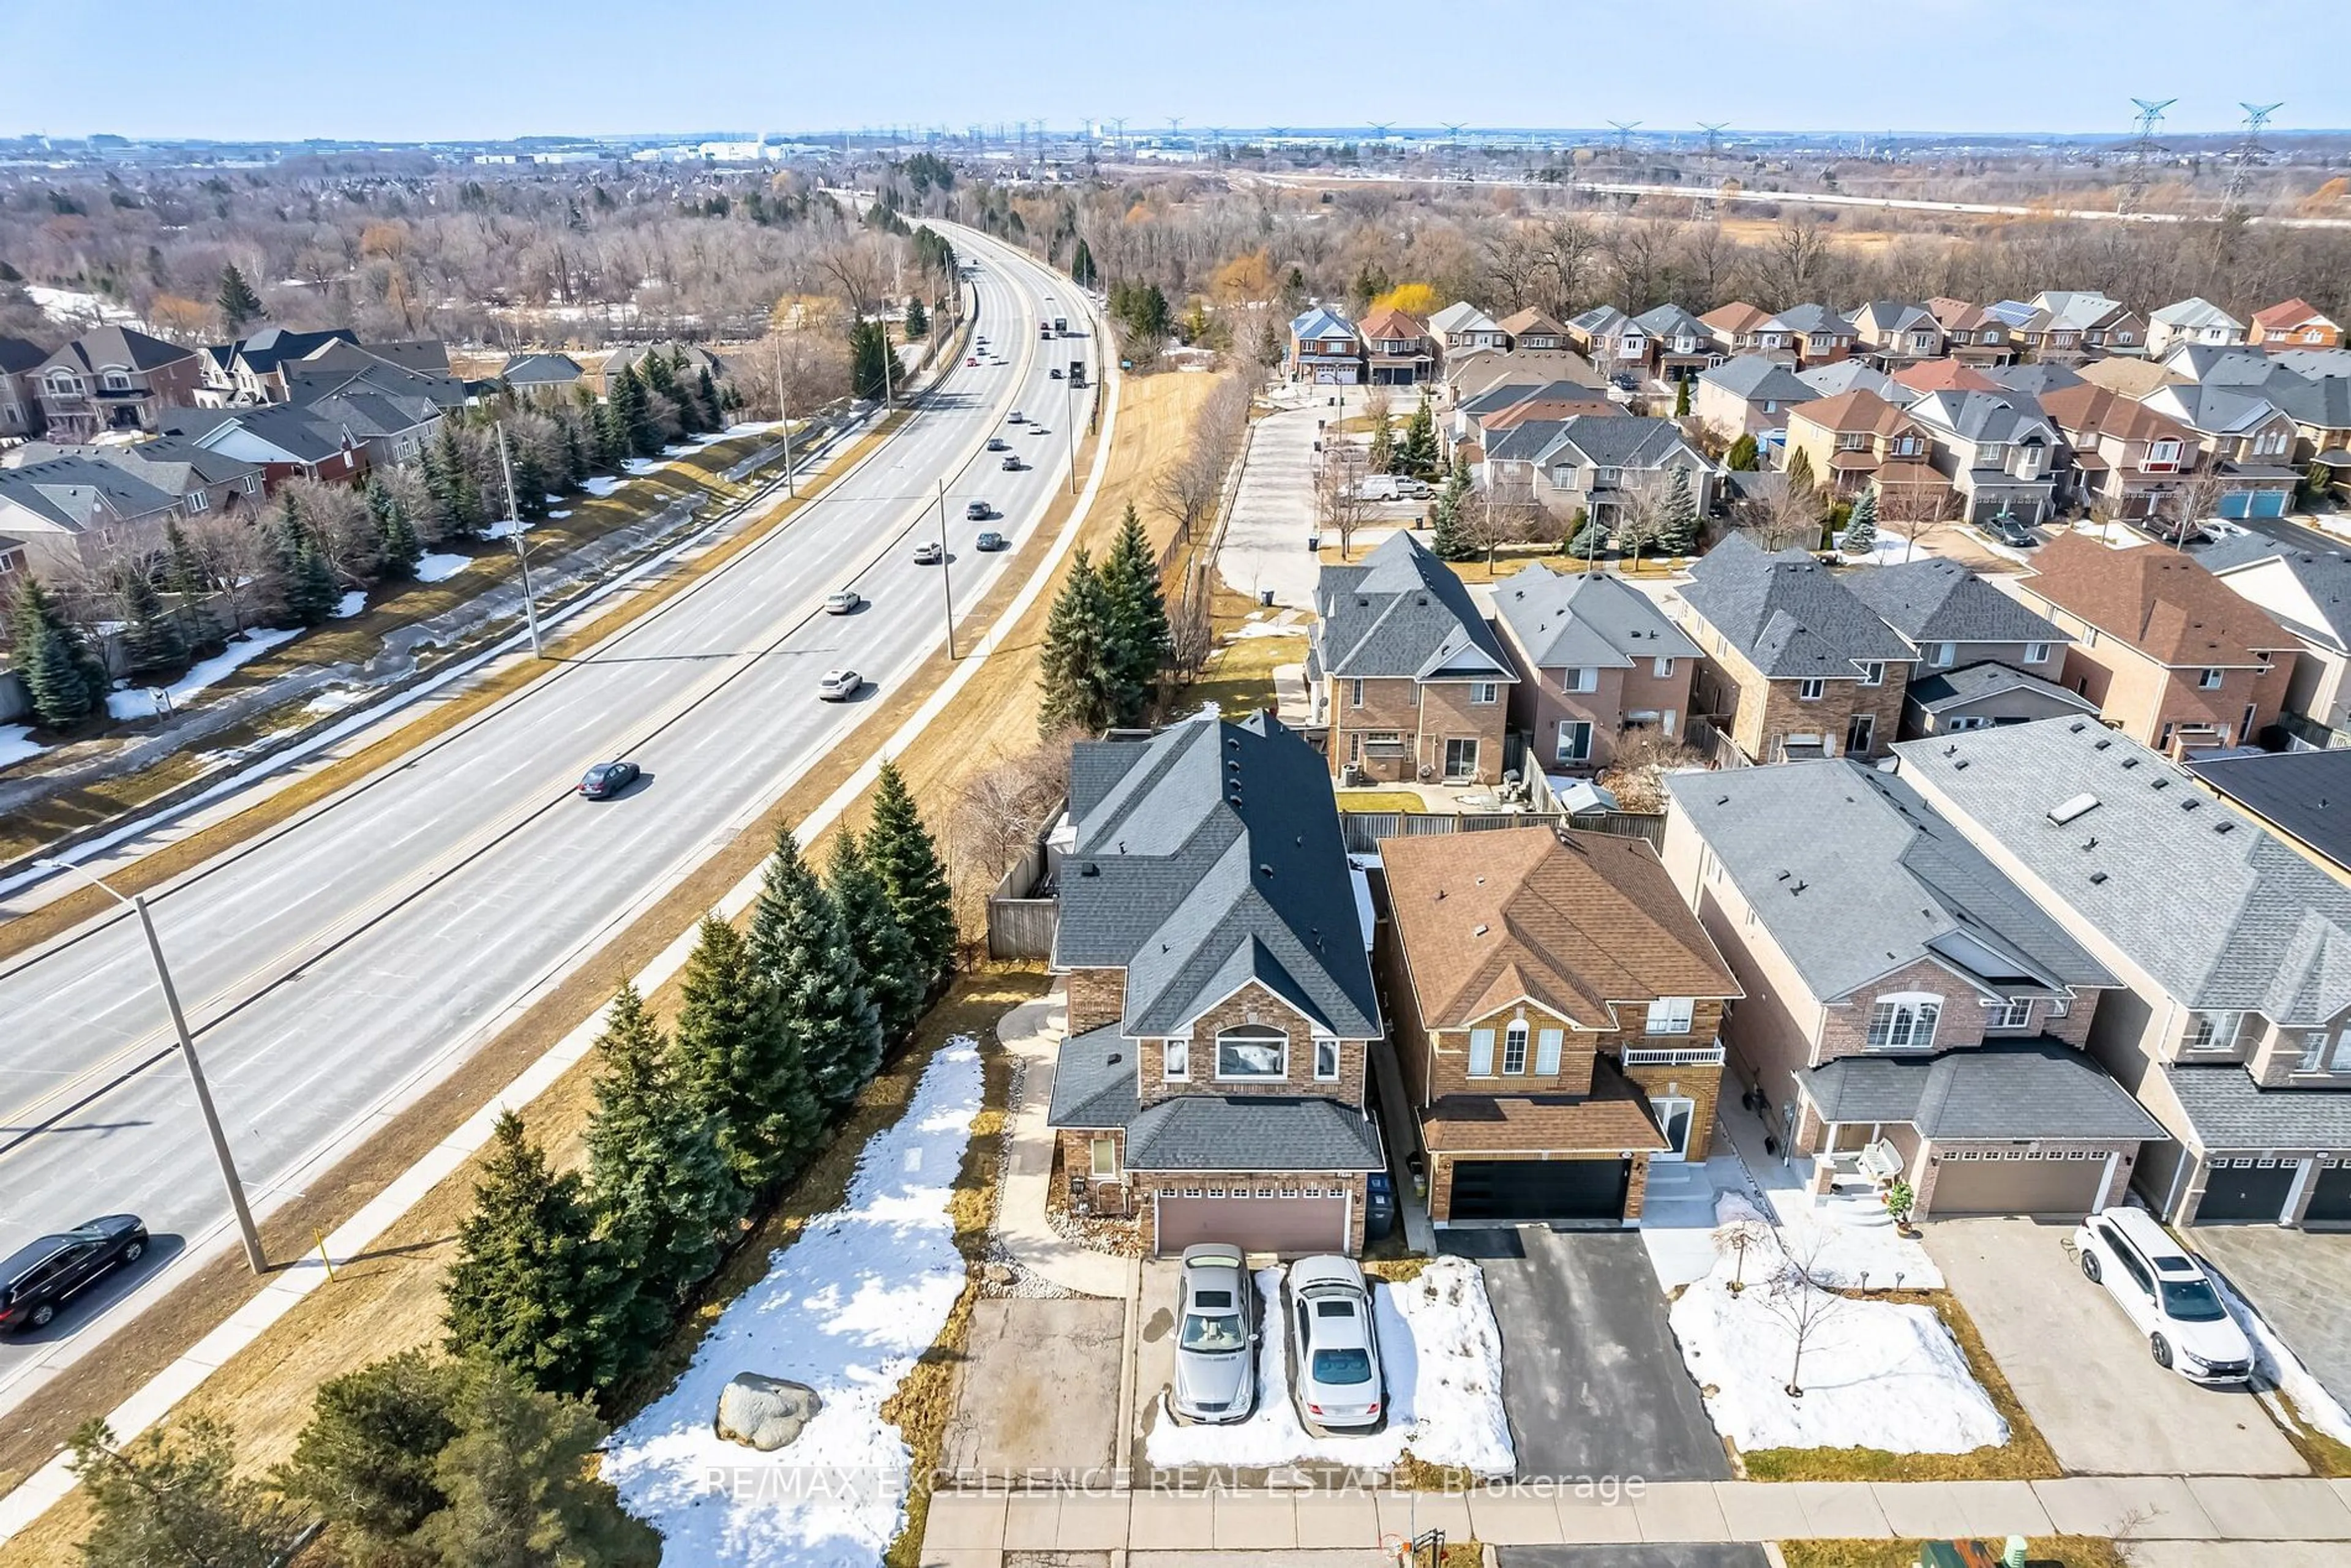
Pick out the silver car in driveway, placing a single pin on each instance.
(1216, 1339)
(1336, 1379)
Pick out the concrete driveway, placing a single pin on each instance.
(2084, 1373)
(1039, 1389)
(1273, 507)
(2298, 1282)
(1592, 1379)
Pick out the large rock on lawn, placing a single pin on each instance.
(765, 1413)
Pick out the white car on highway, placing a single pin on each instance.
(838, 685)
(844, 603)
(2166, 1293)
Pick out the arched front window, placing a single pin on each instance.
(1252, 1051)
(1905, 1021)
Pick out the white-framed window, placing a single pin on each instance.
(1574, 740)
(1549, 1040)
(1354, 694)
(2037, 652)
(2207, 680)
(1669, 1015)
(2162, 454)
(1483, 694)
(115, 380)
(1252, 1054)
(1175, 1060)
(1945, 654)
(2016, 1013)
(1873, 673)
(1102, 1153)
(1481, 1053)
(2271, 444)
(2313, 1051)
(196, 501)
(1810, 690)
(1905, 1021)
(1605, 476)
(1326, 1061)
(1579, 680)
(2210, 1031)
(1661, 668)
(1514, 1049)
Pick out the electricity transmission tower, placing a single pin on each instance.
(1714, 135)
(2139, 153)
(2246, 156)
(1451, 161)
(1625, 129)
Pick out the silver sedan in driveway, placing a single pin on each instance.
(1216, 1339)
(1337, 1380)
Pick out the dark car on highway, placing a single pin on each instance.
(607, 779)
(40, 1278)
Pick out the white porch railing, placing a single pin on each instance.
(1674, 1055)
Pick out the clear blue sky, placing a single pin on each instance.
(418, 70)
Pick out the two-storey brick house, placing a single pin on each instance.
(1556, 1013)
(2295, 323)
(1856, 441)
(1597, 662)
(1900, 991)
(1797, 665)
(1411, 681)
(113, 380)
(1221, 1010)
(1397, 347)
(1979, 656)
(2125, 458)
(1325, 347)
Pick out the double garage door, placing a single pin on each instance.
(2244, 1187)
(2254, 504)
(1530, 1191)
(1293, 1226)
(2003, 1181)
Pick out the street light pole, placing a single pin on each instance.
(888, 353)
(1070, 425)
(254, 1257)
(946, 569)
(522, 557)
(783, 415)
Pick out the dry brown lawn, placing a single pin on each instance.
(389, 1298)
(2041, 1551)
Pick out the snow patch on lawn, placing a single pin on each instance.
(1441, 1356)
(602, 485)
(436, 567)
(350, 604)
(16, 743)
(504, 529)
(554, 513)
(847, 1310)
(635, 467)
(1863, 1250)
(1875, 1374)
(140, 703)
(2272, 1363)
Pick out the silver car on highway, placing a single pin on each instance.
(1217, 1337)
(1336, 1380)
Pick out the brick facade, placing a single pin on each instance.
(1097, 996)
(1765, 712)
(1253, 1004)
(1422, 716)
(1700, 1085)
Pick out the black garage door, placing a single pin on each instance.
(2245, 1189)
(2330, 1197)
(1540, 1189)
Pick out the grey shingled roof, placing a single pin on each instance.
(1624, 441)
(18, 355)
(1402, 613)
(2324, 403)
(1755, 378)
(2306, 793)
(2229, 1110)
(1585, 620)
(2220, 911)
(1855, 876)
(1810, 318)
(103, 345)
(1840, 376)
(1250, 1132)
(2002, 415)
(1790, 615)
(1094, 1079)
(541, 370)
(2034, 380)
(1939, 600)
(2023, 1089)
(2323, 575)
(1206, 855)
(1947, 689)
(1525, 442)
(1669, 320)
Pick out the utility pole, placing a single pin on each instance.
(783, 415)
(947, 569)
(1070, 425)
(888, 397)
(522, 553)
(255, 1258)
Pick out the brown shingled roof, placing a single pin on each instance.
(1575, 921)
(1613, 1119)
(1735, 318)
(2091, 409)
(1530, 322)
(1944, 375)
(2287, 315)
(1859, 409)
(1390, 322)
(2155, 599)
(2128, 377)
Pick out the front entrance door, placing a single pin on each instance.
(1673, 1113)
(1461, 758)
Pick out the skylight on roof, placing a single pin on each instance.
(2065, 811)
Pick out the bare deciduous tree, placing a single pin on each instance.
(1340, 504)
(1000, 810)
(1916, 512)
(1783, 512)
(2197, 497)
(1799, 1296)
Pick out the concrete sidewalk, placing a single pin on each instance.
(1032, 1031)
(969, 1530)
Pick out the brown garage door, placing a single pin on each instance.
(1995, 1183)
(1291, 1226)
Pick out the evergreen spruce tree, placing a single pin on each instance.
(899, 849)
(612, 438)
(869, 353)
(658, 371)
(1861, 529)
(635, 413)
(575, 456)
(401, 548)
(171, 1497)
(735, 1063)
(1450, 537)
(885, 956)
(714, 406)
(365, 1460)
(450, 479)
(1677, 530)
(1384, 445)
(1082, 266)
(55, 663)
(1083, 669)
(152, 641)
(200, 629)
(1589, 541)
(531, 483)
(658, 1181)
(238, 303)
(801, 948)
(1138, 612)
(1744, 456)
(1420, 441)
(1682, 398)
(918, 321)
(533, 1286)
(311, 591)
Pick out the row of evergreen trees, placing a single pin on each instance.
(1416, 454)
(1107, 640)
(574, 1280)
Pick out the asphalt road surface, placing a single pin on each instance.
(331, 966)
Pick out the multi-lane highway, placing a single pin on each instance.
(331, 963)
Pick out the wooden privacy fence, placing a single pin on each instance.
(1019, 924)
(1364, 829)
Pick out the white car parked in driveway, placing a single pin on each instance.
(2166, 1293)
(1336, 1343)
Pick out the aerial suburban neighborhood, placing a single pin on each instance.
(1163, 841)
